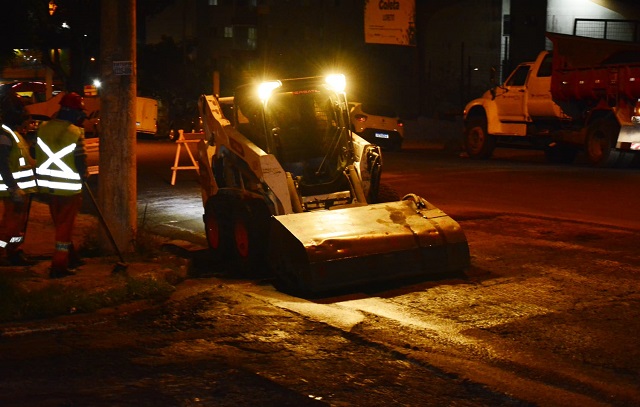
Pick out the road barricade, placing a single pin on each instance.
(185, 139)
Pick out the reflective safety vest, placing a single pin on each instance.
(20, 163)
(56, 171)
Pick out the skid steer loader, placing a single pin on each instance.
(286, 185)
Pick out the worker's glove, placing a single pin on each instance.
(83, 169)
(18, 195)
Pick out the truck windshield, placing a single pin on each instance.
(519, 77)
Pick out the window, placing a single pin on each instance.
(252, 38)
(228, 32)
(519, 77)
(545, 67)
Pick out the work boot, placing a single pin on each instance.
(18, 258)
(60, 273)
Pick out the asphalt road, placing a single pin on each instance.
(514, 181)
(547, 314)
(517, 181)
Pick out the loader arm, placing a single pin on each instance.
(228, 143)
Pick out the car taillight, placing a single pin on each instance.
(400, 123)
(360, 117)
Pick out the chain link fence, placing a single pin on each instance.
(620, 30)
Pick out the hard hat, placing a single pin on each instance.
(72, 101)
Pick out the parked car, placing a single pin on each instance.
(180, 115)
(378, 124)
(187, 125)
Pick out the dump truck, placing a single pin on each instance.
(584, 95)
(288, 188)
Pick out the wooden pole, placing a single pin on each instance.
(117, 180)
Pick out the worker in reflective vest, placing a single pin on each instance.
(60, 170)
(17, 181)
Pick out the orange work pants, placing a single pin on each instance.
(64, 210)
(13, 223)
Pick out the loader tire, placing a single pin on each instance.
(479, 143)
(250, 238)
(217, 227)
(386, 193)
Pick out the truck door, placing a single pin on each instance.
(511, 100)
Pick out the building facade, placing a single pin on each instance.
(460, 44)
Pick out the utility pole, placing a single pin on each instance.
(117, 192)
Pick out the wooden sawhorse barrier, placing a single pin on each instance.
(182, 140)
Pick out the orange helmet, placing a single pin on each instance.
(72, 101)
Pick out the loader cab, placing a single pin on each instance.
(308, 131)
(303, 122)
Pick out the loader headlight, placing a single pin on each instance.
(266, 88)
(336, 82)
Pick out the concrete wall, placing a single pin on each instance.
(461, 44)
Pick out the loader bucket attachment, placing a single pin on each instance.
(319, 251)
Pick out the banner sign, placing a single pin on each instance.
(390, 22)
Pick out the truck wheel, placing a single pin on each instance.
(599, 144)
(478, 143)
(217, 227)
(626, 159)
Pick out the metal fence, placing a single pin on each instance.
(620, 30)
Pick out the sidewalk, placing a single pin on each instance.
(29, 293)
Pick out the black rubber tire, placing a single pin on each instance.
(250, 229)
(599, 144)
(395, 146)
(217, 227)
(626, 159)
(479, 144)
(386, 193)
